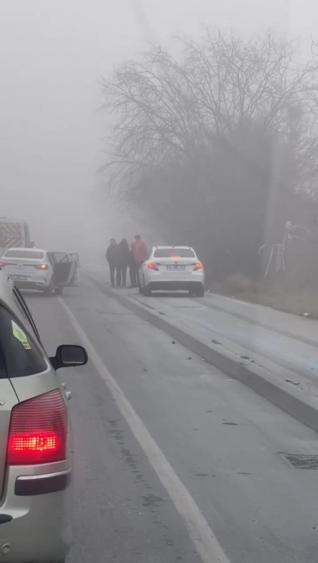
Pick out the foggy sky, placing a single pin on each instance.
(52, 55)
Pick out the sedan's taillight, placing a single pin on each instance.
(2, 264)
(152, 265)
(198, 265)
(38, 430)
(41, 266)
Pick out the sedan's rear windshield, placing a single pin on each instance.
(167, 252)
(35, 254)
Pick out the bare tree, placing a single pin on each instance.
(203, 128)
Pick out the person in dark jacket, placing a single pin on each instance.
(132, 269)
(123, 260)
(112, 259)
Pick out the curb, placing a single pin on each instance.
(254, 378)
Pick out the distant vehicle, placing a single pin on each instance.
(14, 233)
(35, 268)
(35, 452)
(172, 268)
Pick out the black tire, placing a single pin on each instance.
(48, 290)
(59, 290)
(141, 290)
(147, 291)
(200, 292)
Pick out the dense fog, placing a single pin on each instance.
(54, 57)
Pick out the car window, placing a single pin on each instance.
(58, 257)
(167, 252)
(18, 351)
(26, 311)
(35, 254)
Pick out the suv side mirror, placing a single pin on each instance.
(69, 355)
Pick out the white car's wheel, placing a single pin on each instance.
(48, 290)
(147, 291)
(200, 291)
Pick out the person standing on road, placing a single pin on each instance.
(123, 257)
(112, 259)
(140, 254)
(132, 269)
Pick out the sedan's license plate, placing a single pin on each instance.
(18, 277)
(175, 267)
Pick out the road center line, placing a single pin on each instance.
(198, 528)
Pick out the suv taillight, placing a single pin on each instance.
(38, 430)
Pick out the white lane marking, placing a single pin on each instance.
(198, 528)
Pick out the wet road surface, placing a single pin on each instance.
(220, 449)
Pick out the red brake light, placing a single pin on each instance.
(175, 258)
(38, 430)
(152, 265)
(41, 266)
(198, 265)
(2, 264)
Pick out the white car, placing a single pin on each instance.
(36, 438)
(35, 268)
(172, 268)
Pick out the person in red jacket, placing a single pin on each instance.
(139, 253)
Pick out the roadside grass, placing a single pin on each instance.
(272, 293)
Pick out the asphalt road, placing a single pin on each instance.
(174, 461)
